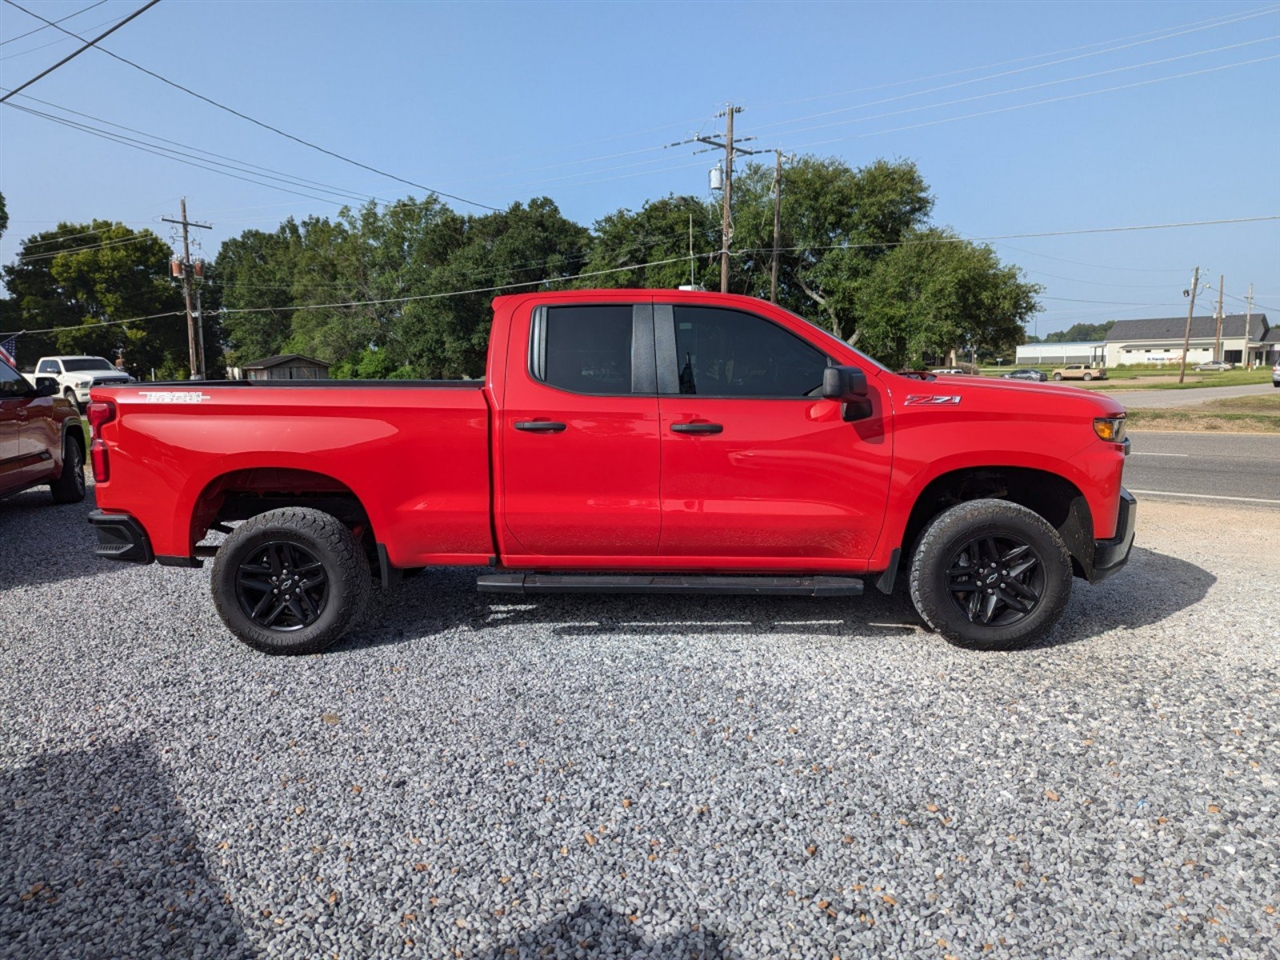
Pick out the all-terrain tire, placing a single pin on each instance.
(1057, 376)
(290, 581)
(990, 575)
(69, 488)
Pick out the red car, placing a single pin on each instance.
(41, 440)
(624, 441)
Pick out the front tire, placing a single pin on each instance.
(990, 575)
(1057, 376)
(290, 581)
(69, 488)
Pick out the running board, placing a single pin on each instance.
(629, 583)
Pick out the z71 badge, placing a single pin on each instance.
(928, 399)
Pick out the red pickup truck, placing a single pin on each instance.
(624, 441)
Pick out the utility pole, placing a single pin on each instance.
(1217, 344)
(204, 372)
(777, 225)
(1248, 321)
(730, 151)
(1186, 341)
(197, 361)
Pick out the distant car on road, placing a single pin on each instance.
(1080, 371)
(1039, 376)
(1215, 365)
(952, 371)
(1275, 375)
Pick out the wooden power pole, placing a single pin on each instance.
(197, 357)
(1186, 341)
(1248, 321)
(1217, 343)
(777, 226)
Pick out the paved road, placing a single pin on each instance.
(1164, 399)
(1205, 466)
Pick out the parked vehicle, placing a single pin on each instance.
(41, 439)
(1215, 365)
(1080, 371)
(77, 376)
(950, 371)
(1275, 375)
(1029, 373)
(624, 441)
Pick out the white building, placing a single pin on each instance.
(1060, 354)
(1160, 341)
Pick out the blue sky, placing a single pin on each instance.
(1010, 110)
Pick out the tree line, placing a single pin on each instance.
(403, 290)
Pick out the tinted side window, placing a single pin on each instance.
(727, 353)
(584, 349)
(48, 366)
(12, 383)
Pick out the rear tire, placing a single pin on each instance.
(290, 581)
(69, 488)
(990, 575)
(1088, 376)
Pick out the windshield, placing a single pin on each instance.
(86, 363)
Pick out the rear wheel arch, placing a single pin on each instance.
(244, 494)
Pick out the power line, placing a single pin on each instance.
(1007, 73)
(69, 16)
(119, 242)
(71, 56)
(245, 116)
(1038, 103)
(240, 164)
(173, 154)
(61, 40)
(1032, 86)
(101, 323)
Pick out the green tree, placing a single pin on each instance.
(1081, 333)
(936, 292)
(4, 216)
(658, 231)
(84, 279)
(837, 223)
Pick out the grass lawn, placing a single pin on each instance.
(1258, 414)
(1166, 379)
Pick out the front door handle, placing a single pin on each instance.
(540, 426)
(697, 428)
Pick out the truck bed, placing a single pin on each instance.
(414, 453)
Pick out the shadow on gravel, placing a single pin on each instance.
(593, 929)
(47, 542)
(97, 861)
(1151, 588)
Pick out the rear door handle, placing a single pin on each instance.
(540, 426)
(697, 428)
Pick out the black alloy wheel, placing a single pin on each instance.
(996, 580)
(990, 575)
(290, 581)
(282, 586)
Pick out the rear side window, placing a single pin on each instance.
(583, 349)
(728, 353)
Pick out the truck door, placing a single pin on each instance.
(580, 442)
(22, 454)
(756, 466)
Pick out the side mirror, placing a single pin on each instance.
(848, 385)
(46, 387)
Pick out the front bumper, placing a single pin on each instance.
(120, 537)
(1110, 555)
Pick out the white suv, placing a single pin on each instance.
(1275, 375)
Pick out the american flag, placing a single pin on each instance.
(8, 349)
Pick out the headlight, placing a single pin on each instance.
(84, 384)
(1110, 429)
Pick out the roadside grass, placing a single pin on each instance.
(1155, 378)
(1256, 414)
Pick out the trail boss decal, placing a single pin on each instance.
(926, 399)
(174, 396)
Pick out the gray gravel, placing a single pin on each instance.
(640, 777)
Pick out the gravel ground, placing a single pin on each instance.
(640, 777)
